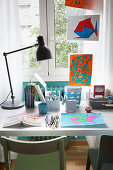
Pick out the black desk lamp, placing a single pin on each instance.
(42, 53)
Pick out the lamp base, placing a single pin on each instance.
(9, 105)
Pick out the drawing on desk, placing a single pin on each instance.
(81, 119)
(23, 119)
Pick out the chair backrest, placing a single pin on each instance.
(105, 155)
(35, 148)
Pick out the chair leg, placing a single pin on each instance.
(88, 162)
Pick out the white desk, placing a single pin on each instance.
(44, 131)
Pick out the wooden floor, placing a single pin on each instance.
(76, 156)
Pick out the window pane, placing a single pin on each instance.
(30, 29)
(62, 45)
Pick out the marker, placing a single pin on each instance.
(47, 120)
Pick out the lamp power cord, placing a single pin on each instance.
(5, 99)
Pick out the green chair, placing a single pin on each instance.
(101, 158)
(41, 155)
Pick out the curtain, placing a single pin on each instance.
(9, 40)
(108, 43)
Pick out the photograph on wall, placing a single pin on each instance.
(80, 71)
(84, 27)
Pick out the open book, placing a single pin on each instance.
(23, 119)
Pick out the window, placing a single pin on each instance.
(47, 18)
(61, 47)
(30, 28)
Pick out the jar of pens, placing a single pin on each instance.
(53, 100)
(52, 122)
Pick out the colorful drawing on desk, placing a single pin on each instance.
(83, 27)
(81, 119)
(80, 69)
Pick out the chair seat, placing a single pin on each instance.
(107, 166)
(93, 153)
(38, 162)
(41, 155)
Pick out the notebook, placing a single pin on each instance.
(81, 119)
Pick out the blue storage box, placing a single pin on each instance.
(73, 93)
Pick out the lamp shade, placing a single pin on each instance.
(43, 52)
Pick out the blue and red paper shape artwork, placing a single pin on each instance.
(83, 27)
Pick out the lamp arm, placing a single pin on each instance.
(5, 55)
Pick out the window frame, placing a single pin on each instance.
(62, 73)
(42, 71)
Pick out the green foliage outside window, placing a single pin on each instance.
(63, 46)
(32, 53)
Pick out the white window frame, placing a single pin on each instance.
(60, 73)
(43, 70)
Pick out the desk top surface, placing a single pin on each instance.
(46, 131)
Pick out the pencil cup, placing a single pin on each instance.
(43, 108)
(53, 103)
(70, 106)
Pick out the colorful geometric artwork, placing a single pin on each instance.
(83, 27)
(81, 119)
(80, 69)
(75, 3)
(85, 4)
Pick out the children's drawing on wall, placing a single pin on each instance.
(83, 27)
(85, 4)
(75, 3)
(80, 69)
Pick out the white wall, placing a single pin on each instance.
(96, 48)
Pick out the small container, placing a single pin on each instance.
(73, 93)
(70, 106)
(53, 103)
(43, 108)
(53, 100)
(88, 109)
